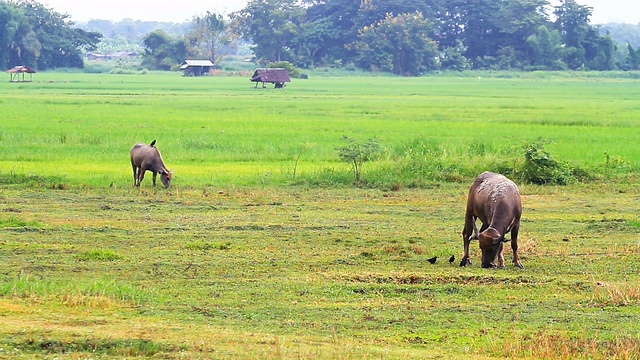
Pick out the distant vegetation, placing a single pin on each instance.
(446, 35)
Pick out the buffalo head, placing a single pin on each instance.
(491, 244)
(165, 177)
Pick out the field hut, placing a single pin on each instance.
(276, 76)
(17, 74)
(196, 67)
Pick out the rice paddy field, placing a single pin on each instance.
(264, 247)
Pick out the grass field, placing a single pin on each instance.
(264, 248)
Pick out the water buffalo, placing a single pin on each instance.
(147, 158)
(495, 200)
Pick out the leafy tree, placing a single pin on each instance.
(18, 44)
(546, 49)
(273, 26)
(599, 51)
(162, 52)
(399, 44)
(60, 44)
(33, 35)
(519, 19)
(330, 25)
(452, 58)
(633, 58)
(475, 23)
(572, 19)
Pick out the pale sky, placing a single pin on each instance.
(625, 11)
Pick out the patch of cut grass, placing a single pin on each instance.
(15, 222)
(99, 255)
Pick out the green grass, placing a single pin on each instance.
(242, 259)
(220, 130)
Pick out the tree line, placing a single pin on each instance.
(406, 37)
(411, 37)
(36, 36)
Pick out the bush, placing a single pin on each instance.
(291, 70)
(540, 168)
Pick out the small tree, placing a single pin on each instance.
(357, 153)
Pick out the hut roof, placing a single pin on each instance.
(270, 75)
(21, 69)
(188, 63)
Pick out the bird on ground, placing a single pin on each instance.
(432, 260)
(452, 259)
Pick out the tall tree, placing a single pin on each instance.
(61, 45)
(330, 23)
(572, 19)
(476, 24)
(273, 26)
(400, 44)
(633, 58)
(519, 19)
(208, 35)
(546, 49)
(162, 52)
(18, 44)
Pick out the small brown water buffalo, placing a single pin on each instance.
(147, 158)
(495, 200)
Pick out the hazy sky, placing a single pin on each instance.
(627, 11)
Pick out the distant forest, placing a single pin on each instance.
(397, 36)
(405, 37)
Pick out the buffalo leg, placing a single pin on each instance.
(467, 235)
(154, 178)
(135, 174)
(501, 256)
(514, 247)
(140, 176)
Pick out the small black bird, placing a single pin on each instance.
(433, 260)
(153, 142)
(452, 259)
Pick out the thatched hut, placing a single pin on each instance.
(276, 76)
(17, 73)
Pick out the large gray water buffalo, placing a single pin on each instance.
(147, 158)
(495, 201)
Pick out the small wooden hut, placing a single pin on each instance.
(276, 76)
(17, 74)
(196, 67)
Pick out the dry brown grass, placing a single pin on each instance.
(552, 345)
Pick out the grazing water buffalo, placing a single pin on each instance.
(495, 200)
(147, 158)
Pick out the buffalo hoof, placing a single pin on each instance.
(465, 262)
(520, 266)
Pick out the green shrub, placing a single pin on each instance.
(289, 67)
(540, 168)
